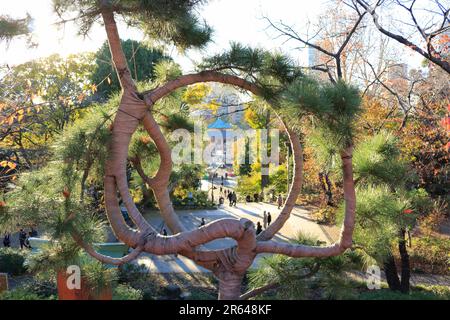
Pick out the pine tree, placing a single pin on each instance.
(10, 28)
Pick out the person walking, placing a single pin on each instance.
(22, 238)
(230, 198)
(280, 201)
(234, 196)
(269, 218)
(258, 228)
(7, 240)
(265, 220)
(164, 232)
(203, 222)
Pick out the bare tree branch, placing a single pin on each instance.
(430, 53)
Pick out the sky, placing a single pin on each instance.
(233, 20)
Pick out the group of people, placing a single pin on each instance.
(24, 237)
(232, 197)
(259, 197)
(267, 220)
(256, 197)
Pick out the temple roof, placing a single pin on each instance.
(219, 124)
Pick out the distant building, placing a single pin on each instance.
(217, 132)
(398, 71)
(396, 77)
(313, 57)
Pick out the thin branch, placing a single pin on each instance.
(275, 285)
(260, 290)
(430, 54)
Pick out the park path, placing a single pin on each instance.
(298, 222)
(416, 278)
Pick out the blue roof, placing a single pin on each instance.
(219, 124)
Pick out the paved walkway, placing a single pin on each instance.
(416, 278)
(298, 222)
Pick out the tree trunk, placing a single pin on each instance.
(329, 192)
(296, 186)
(265, 166)
(326, 187)
(405, 268)
(230, 285)
(390, 270)
(117, 54)
(264, 176)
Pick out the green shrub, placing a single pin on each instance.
(325, 215)
(443, 292)
(433, 220)
(41, 288)
(137, 277)
(199, 294)
(22, 293)
(420, 201)
(307, 278)
(249, 185)
(98, 275)
(418, 293)
(149, 294)
(126, 292)
(132, 273)
(199, 200)
(278, 180)
(12, 262)
(430, 255)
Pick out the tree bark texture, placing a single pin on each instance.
(390, 269)
(405, 266)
